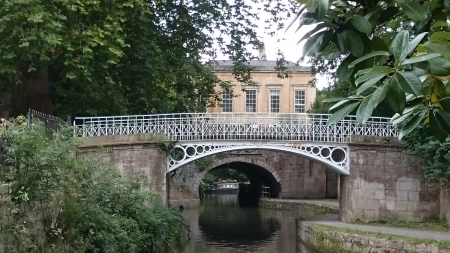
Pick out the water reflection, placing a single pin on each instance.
(221, 225)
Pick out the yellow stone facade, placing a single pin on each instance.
(292, 91)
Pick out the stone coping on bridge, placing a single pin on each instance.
(375, 141)
(124, 139)
(127, 139)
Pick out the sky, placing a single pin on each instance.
(289, 47)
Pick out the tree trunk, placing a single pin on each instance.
(32, 93)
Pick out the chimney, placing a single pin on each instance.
(262, 52)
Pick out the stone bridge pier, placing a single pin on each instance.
(384, 182)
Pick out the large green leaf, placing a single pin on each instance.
(364, 111)
(307, 18)
(371, 72)
(412, 45)
(342, 113)
(400, 43)
(421, 58)
(322, 9)
(412, 123)
(339, 104)
(439, 66)
(399, 118)
(444, 102)
(342, 41)
(438, 47)
(313, 44)
(361, 24)
(311, 6)
(408, 82)
(312, 32)
(369, 83)
(440, 124)
(379, 95)
(356, 44)
(396, 97)
(344, 72)
(413, 9)
(332, 100)
(368, 56)
(331, 52)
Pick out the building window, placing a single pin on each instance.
(227, 102)
(274, 101)
(250, 101)
(299, 101)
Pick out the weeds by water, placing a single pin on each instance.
(58, 202)
(410, 240)
(425, 225)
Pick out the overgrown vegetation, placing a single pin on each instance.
(410, 240)
(203, 163)
(426, 225)
(435, 155)
(396, 51)
(59, 202)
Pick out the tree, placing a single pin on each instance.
(60, 202)
(121, 57)
(394, 51)
(344, 89)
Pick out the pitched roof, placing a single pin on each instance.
(226, 65)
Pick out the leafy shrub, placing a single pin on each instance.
(62, 203)
(435, 155)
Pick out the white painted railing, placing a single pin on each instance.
(236, 126)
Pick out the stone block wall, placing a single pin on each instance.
(178, 196)
(133, 155)
(386, 184)
(444, 212)
(348, 242)
(332, 184)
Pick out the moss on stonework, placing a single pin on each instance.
(329, 245)
(412, 241)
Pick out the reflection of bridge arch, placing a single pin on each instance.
(334, 156)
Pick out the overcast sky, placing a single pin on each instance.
(292, 52)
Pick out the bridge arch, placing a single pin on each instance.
(333, 156)
(256, 170)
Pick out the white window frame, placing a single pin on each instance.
(229, 98)
(270, 101)
(255, 100)
(298, 101)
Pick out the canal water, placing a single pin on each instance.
(221, 225)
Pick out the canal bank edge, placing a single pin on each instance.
(319, 207)
(320, 238)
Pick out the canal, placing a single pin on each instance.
(222, 225)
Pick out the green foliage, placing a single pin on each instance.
(434, 154)
(339, 92)
(225, 175)
(203, 163)
(126, 57)
(393, 50)
(165, 146)
(64, 203)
